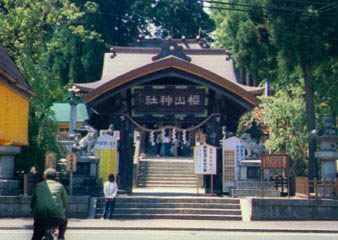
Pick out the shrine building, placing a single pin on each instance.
(182, 89)
(15, 94)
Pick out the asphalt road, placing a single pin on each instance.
(170, 235)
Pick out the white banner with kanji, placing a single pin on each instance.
(205, 158)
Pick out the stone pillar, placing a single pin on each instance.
(8, 186)
(328, 137)
(72, 120)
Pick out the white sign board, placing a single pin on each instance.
(205, 157)
(232, 153)
(106, 141)
(106, 151)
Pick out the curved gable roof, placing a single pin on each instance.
(12, 75)
(163, 64)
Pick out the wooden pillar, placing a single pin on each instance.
(126, 152)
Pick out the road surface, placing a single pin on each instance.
(174, 235)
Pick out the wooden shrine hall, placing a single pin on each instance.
(170, 87)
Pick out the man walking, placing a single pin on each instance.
(49, 204)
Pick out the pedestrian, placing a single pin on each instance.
(110, 192)
(158, 144)
(175, 147)
(165, 146)
(49, 204)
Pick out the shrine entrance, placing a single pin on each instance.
(189, 96)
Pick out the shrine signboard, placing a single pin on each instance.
(278, 161)
(205, 157)
(170, 99)
(275, 161)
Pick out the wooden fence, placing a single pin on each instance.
(316, 188)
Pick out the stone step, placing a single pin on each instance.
(168, 181)
(254, 193)
(172, 175)
(254, 185)
(177, 216)
(166, 178)
(156, 163)
(159, 168)
(136, 199)
(168, 162)
(166, 172)
(173, 205)
(167, 159)
(200, 208)
(198, 211)
(167, 185)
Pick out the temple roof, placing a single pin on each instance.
(123, 61)
(11, 76)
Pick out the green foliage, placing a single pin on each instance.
(180, 18)
(57, 42)
(294, 38)
(283, 116)
(240, 33)
(34, 33)
(327, 86)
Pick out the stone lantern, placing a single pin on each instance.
(327, 153)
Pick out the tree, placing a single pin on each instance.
(296, 38)
(283, 116)
(33, 32)
(180, 18)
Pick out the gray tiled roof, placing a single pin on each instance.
(125, 59)
(10, 74)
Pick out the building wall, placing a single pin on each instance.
(289, 209)
(14, 110)
(18, 206)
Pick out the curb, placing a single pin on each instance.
(198, 229)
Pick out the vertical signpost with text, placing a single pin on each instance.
(71, 167)
(205, 157)
(106, 151)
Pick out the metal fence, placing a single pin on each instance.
(316, 188)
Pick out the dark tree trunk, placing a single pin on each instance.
(311, 119)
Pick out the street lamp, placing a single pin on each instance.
(73, 102)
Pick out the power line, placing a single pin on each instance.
(327, 7)
(327, 10)
(247, 7)
(309, 2)
(275, 10)
(292, 1)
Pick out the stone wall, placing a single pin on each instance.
(289, 209)
(18, 206)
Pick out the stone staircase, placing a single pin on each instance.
(167, 190)
(173, 207)
(166, 172)
(253, 188)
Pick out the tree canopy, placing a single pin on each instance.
(279, 39)
(33, 32)
(58, 42)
